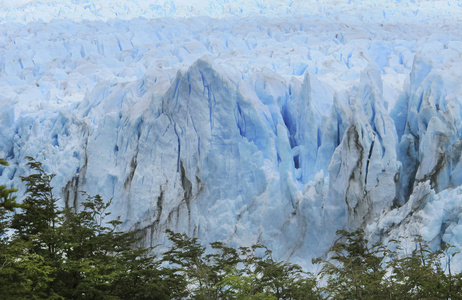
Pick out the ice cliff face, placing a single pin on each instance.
(430, 151)
(364, 167)
(244, 130)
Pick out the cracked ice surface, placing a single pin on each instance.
(244, 122)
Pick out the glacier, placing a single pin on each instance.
(273, 122)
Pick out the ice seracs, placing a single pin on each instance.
(364, 168)
(270, 129)
(430, 152)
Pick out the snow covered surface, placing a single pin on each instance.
(25, 11)
(276, 122)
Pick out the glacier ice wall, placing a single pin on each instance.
(277, 130)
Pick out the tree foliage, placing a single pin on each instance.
(47, 252)
(7, 204)
(356, 270)
(73, 253)
(228, 273)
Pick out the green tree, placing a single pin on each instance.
(228, 273)
(24, 274)
(103, 263)
(40, 216)
(239, 272)
(282, 280)
(76, 253)
(186, 257)
(355, 271)
(453, 282)
(221, 261)
(89, 247)
(422, 276)
(358, 271)
(7, 205)
(287, 281)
